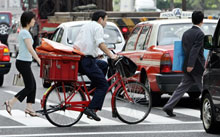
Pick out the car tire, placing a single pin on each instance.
(156, 97)
(46, 84)
(208, 115)
(194, 95)
(1, 80)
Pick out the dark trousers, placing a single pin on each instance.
(187, 81)
(29, 91)
(95, 70)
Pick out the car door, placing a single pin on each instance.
(214, 68)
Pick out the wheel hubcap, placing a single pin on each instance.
(207, 113)
(3, 29)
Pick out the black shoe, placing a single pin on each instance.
(91, 113)
(169, 112)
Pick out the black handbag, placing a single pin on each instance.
(126, 66)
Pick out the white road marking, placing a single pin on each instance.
(188, 112)
(19, 116)
(153, 118)
(104, 133)
(14, 93)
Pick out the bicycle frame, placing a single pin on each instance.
(80, 105)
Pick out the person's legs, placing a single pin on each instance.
(30, 86)
(25, 69)
(95, 74)
(103, 66)
(184, 86)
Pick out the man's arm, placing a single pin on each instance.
(193, 55)
(104, 48)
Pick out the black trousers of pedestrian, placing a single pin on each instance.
(29, 91)
(187, 82)
(94, 69)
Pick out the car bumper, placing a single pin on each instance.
(4, 67)
(169, 82)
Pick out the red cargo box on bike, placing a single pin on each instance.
(59, 67)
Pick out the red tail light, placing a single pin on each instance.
(6, 55)
(165, 63)
(124, 30)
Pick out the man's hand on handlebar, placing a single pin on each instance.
(114, 57)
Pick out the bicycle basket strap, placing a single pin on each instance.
(126, 67)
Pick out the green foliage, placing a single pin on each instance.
(190, 4)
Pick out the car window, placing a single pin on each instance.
(112, 34)
(132, 39)
(57, 36)
(169, 33)
(72, 33)
(4, 18)
(60, 35)
(142, 38)
(54, 36)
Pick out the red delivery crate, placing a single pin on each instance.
(59, 67)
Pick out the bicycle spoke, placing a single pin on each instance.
(55, 109)
(135, 99)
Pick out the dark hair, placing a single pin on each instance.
(97, 14)
(197, 17)
(26, 18)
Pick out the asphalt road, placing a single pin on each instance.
(157, 124)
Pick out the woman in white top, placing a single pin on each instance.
(23, 65)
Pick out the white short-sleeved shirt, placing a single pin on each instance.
(89, 38)
(23, 53)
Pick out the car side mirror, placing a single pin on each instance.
(208, 42)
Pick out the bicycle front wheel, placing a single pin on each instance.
(132, 104)
(55, 109)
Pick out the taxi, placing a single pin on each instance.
(5, 64)
(151, 46)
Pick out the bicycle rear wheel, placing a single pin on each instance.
(134, 105)
(55, 109)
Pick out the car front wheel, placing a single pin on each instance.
(1, 80)
(208, 115)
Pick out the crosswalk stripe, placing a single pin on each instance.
(19, 116)
(104, 121)
(153, 118)
(188, 112)
(41, 122)
(14, 93)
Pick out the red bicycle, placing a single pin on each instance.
(64, 102)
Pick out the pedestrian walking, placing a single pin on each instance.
(88, 41)
(194, 61)
(23, 65)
